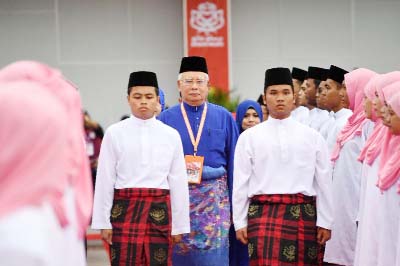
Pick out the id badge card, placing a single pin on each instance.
(194, 168)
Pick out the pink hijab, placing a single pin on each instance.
(369, 92)
(74, 171)
(373, 145)
(384, 81)
(389, 168)
(355, 83)
(394, 102)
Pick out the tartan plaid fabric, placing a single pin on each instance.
(141, 221)
(282, 231)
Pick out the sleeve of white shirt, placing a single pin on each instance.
(179, 190)
(323, 185)
(105, 182)
(241, 175)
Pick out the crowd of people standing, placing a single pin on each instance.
(306, 175)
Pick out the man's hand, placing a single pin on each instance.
(241, 235)
(106, 235)
(176, 239)
(323, 235)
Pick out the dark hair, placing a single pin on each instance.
(156, 89)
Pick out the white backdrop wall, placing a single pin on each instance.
(97, 43)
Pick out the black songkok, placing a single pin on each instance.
(299, 74)
(324, 74)
(337, 74)
(143, 78)
(278, 76)
(193, 63)
(315, 73)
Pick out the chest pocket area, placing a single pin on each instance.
(163, 156)
(215, 140)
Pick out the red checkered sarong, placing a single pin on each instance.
(141, 223)
(282, 231)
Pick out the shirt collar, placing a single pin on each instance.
(142, 122)
(194, 109)
(275, 121)
(342, 112)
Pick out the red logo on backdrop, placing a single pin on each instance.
(206, 24)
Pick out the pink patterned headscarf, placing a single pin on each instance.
(389, 168)
(355, 83)
(74, 169)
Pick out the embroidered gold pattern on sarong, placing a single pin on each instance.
(116, 211)
(312, 252)
(158, 215)
(160, 255)
(295, 211)
(290, 252)
(250, 246)
(310, 210)
(253, 209)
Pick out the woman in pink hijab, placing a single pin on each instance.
(371, 199)
(43, 163)
(347, 171)
(394, 111)
(388, 180)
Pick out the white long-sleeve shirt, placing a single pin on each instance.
(138, 153)
(327, 125)
(341, 118)
(281, 157)
(317, 118)
(301, 114)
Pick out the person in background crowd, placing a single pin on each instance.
(141, 196)
(93, 135)
(300, 112)
(317, 116)
(334, 94)
(367, 253)
(264, 109)
(248, 114)
(347, 171)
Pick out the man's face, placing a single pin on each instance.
(311, 92)
(333, 97)
(279, 100)
(320, 96)
(301, 96)
(143, 101)
(193, 87)
(296, 88)
(345, 102)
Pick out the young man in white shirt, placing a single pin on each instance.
(282, 185)
(141, 195)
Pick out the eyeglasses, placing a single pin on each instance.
(190, 82)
